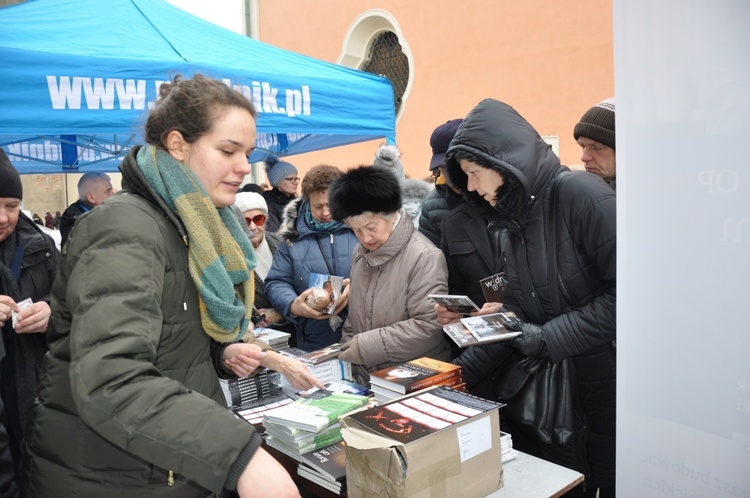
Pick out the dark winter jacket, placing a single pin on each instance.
(298, 255)
(495, 136)
(434, 208)
(470, 255)
(70, 216)
(129, 400)
(22, 365)
(276, 201)
(8, 484)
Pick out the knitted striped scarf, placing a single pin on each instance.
(220, 257)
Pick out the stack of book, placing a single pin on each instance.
(309, 423)
(396, 381)
(274, 338)
(506, 447)
(323, 364)
(326, 467)
(242, 392)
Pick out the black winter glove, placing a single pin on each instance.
(531, 341)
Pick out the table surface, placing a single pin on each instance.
(527, 476)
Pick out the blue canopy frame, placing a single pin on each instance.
(75, 89)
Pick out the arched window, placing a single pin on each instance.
(375, 44)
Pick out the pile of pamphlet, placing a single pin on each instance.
(242, 392)
(412, 376)
(274, 338)
(506, 447)
(308, 431)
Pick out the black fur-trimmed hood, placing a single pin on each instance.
(495, 136)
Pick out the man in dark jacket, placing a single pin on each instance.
(498, 158)
(595, 133)
(28, 261)
(444, 197)
(93, 188)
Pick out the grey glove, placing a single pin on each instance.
(530, 342)
(350, 352)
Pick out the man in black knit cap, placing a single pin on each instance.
(28, 261)
(595, 133)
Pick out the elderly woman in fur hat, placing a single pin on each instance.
(394, 269)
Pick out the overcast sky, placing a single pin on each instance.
(225, 13)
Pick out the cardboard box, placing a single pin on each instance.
(461, 458)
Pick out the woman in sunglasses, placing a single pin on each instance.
(254, 215)
(313, 242)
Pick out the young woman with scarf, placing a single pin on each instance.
(154, 294)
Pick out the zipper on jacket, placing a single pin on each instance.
(333, 257)
(170, 478)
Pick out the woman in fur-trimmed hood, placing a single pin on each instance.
(311, 242)
(499, 159)
(413, 191)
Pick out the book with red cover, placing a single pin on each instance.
(414, 375)
(422, 413)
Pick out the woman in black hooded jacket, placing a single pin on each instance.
(497, 157)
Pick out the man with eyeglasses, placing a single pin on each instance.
(283, 178)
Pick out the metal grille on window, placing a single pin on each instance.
(387, 59)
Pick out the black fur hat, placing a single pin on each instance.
(364, 188)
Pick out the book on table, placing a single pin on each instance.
(277, 339)
(414, 375)
(329, 461)
(488, 328)
(296, 445)
(317, 411)
(507, 452)
(337, 487)
(422, 413)
(253, 413)
(240, 392)
(383, 395)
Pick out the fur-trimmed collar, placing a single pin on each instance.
(288, 231)
(412, 188)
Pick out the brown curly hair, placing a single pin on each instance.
(318, 179)
(190, 106)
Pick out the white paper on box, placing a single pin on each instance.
(474, 438)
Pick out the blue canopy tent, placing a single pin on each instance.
(78, 77)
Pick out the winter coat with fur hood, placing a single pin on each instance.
(494, 135)
(391, 319)
(297, 255)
